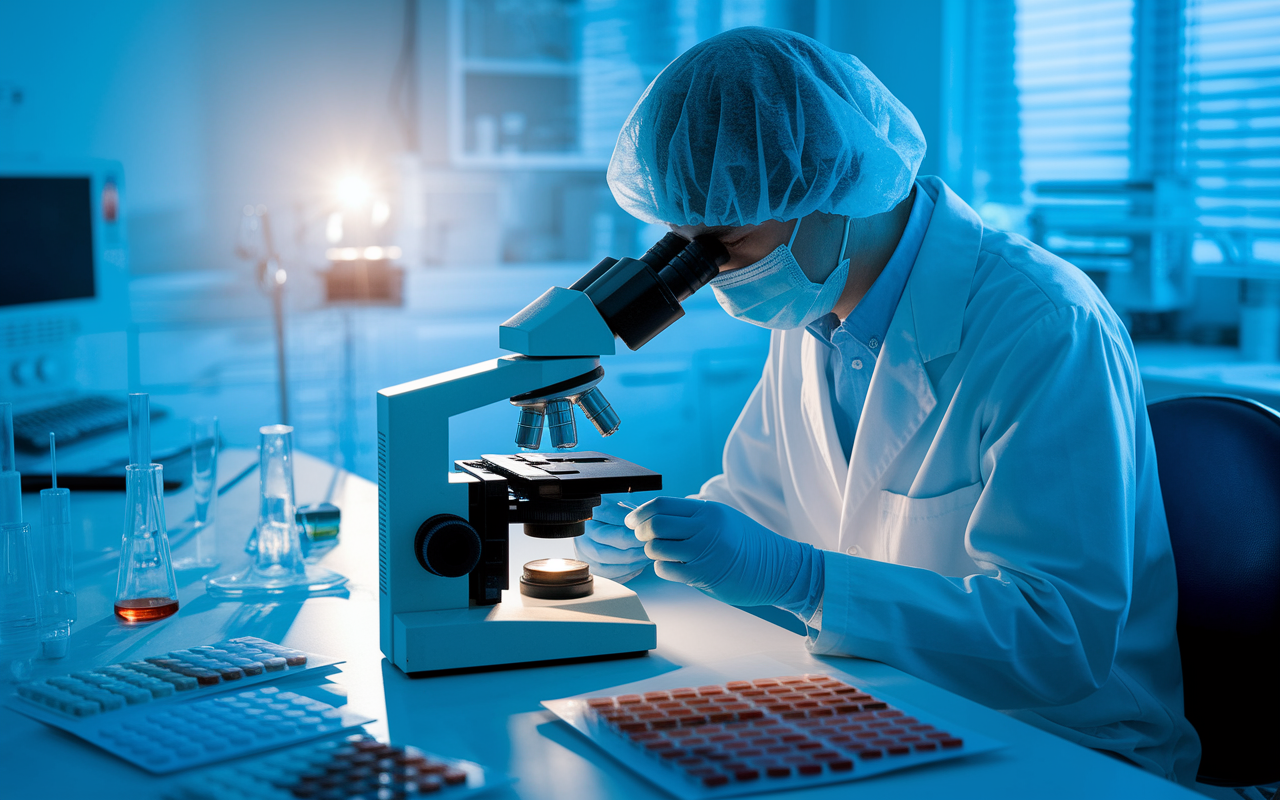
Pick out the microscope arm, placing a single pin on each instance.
(414, 469)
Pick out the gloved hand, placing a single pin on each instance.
(728, 555)
(610, 547)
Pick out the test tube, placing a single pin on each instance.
(204, 484)
(58, 599)
(19, 603)
(10, 480)
(139, 429)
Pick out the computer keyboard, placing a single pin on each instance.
(72, 421)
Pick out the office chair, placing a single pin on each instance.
(1219, 463)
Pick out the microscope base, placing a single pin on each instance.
(524, 630)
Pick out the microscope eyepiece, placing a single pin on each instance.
(664, 250)
(639, 297)
(693, 266)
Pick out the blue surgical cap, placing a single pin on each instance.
(760, 123)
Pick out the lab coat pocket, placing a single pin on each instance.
(929, 532)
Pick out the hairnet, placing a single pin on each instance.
(760, 123)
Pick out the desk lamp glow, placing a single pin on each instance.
(146, 589)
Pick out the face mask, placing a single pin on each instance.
(775, 293)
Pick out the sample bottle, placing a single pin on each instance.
(57, 594)
(146, 589)
(19, 602)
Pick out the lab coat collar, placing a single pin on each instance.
(819, 416)
(939, 282)
(926, 326)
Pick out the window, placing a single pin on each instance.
(1139, 139)
(1073, 70)
(1048, 96)
(1231, 136)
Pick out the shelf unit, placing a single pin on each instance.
(514, 86)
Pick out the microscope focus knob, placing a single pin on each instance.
(448, 546)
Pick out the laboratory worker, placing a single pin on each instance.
(947, 464)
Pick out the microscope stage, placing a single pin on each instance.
(569, 474)
(519, 630)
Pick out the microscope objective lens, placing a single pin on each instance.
(597, 409)
(529, 428)
(564, 433)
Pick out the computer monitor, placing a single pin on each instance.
(63, 270)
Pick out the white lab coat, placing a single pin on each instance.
(998, 529)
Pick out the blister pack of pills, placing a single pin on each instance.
(165, 738)
(356, 768)
(180, 674)
(761, 734)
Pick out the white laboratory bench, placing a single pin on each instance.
(494, 717)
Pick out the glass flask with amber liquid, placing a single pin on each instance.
(146, 589)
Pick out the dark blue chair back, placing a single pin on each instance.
(1219, 462)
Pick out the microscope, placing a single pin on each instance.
(443, 535)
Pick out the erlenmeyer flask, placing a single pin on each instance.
(146, 589)
(19, 606)
(278, 564)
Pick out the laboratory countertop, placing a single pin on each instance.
(492, 717)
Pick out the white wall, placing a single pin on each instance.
(208, 105)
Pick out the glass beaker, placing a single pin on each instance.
(146, 589)
(278, 565)
(19, 603)
(204, 485)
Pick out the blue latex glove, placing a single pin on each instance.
(728, 555)
(610, 547)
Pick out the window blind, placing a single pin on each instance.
(1073, 70)
(1231, 130)
(1048, 96)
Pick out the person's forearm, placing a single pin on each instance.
(958, 633)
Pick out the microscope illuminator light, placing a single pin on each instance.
(556, 579)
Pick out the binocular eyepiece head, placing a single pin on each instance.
(639, 297)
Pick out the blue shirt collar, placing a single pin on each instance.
(870, 319)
